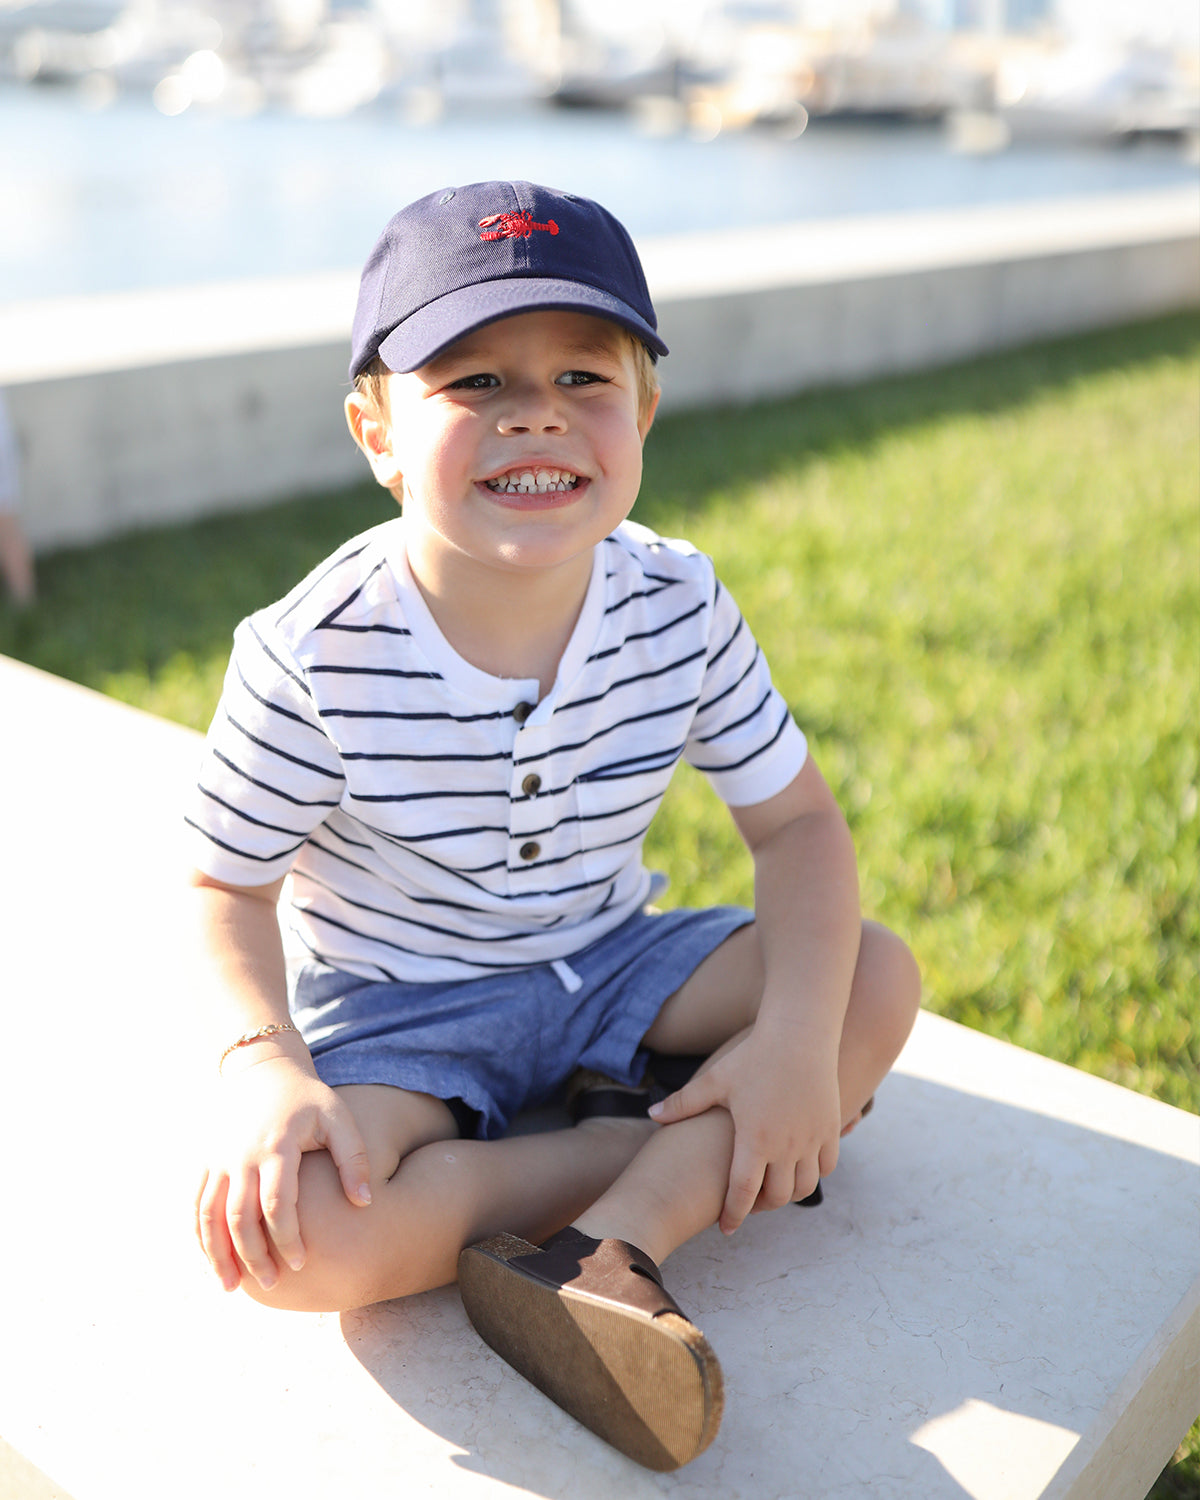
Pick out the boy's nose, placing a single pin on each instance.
(532, 410)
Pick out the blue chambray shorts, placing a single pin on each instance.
(508, 1042)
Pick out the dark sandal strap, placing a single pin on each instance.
(611, 1270)
(607, 1103)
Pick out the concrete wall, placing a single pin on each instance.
(146, 407)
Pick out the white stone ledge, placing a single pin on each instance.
(58, 337)
(144, 407)
(716, 263)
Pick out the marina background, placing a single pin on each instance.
(159, 143)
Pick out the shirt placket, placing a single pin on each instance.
(527, 838)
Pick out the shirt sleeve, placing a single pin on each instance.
(743, 736)
(270, 775)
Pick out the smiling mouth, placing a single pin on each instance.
(533, 482)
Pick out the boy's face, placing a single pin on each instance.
(518, 448)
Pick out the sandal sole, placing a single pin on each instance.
(649, 1386)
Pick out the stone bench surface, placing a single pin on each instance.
(999, 1298)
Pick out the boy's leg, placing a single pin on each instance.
(676, 1185)
(16, 561)
(577, 1317)
(432, 1193)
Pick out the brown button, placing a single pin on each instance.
(522, 711)
(532, 785)
(530, 850)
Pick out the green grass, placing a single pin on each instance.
(1181, 1478)
(979, 590)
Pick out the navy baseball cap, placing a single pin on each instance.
(462, 257)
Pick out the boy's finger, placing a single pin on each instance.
(349, 1154)
(214, 1232)
(692, 1099)
(243, 1214)
(745, 1180)
(778, 1186)
(198, 1204)
(278, 1191)
(806, 1181)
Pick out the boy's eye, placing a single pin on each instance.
(582, 377)
(474, 383)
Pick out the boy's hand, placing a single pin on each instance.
(786, 1111)
(274, 1111)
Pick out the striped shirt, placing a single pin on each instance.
(441, 823)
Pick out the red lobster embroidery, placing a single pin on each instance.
(518, 226)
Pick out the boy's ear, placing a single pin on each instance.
(646, 421)
(373, 434)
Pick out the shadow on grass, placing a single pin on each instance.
(137, 600)
(135, 603)
(692, 456)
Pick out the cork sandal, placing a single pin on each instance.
(589, 1323)
(591, 1095)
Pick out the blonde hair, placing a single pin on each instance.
(645, 372)
(371, 383)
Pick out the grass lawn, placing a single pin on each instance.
(979, 589)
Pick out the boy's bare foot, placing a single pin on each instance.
(588, 1322)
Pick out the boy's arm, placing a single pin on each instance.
(780, 1082)
(274, 1107)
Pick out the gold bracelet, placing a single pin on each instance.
(254, 1036)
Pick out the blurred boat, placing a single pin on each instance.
(899, 68)
(782, 75)
(1094, 93)
(711, 66)
(58, 40)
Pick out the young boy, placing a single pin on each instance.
(453, 735)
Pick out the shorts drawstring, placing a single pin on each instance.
(567, 976)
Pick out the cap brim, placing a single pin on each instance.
(434, 327)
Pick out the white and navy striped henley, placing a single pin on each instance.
(441, 823)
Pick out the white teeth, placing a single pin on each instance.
(527, 482)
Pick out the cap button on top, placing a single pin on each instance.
(522, 711)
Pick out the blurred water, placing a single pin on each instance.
(124, 197)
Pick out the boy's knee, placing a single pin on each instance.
(905, 973)
(346, 1249)
(888, 981)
